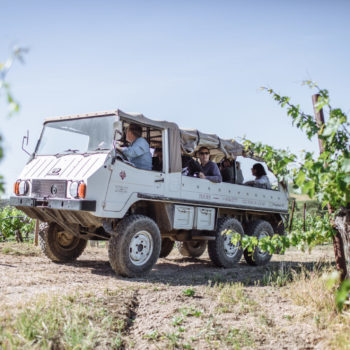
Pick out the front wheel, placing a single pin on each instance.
(135, 247)
(222, 251)
(59, 245)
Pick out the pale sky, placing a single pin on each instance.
(197, 63)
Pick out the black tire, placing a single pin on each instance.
(136, 246)
(192, 249)
(58, 245)
(221, 251)
(279, 229)
(258, 229)
(166, 247)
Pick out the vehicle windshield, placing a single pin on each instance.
(77, 136)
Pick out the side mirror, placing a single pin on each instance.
(25, 140)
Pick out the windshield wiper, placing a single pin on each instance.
(71, 150)
(66, 151)
(101, 149)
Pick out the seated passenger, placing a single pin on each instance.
(210, 170)
(138, 152)
(227, 171)
(157, 160)
(261, 179)
(239, 174)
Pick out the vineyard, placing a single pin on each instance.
(183, 304)
(299, 300)
(15, 225)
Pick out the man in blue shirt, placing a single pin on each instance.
(138, 152)
(210, 170)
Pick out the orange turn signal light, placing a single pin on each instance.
(81, 190)
(16, 188)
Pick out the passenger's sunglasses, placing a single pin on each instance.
(203, 153)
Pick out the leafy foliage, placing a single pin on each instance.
(5, 91)
(319, 231)
(342, 296)
(17, 54)
(327, 176)
(12, 220)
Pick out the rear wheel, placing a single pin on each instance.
(193, 249)
(258, 229)
(166, 248)
(136, 246)
(222, 251)
(59, 245)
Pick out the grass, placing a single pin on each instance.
(152, 335)
(190, 311)
(189, 292)
(19, 249)
(238, 338)
(310, 290)
(277, 278)
(232, 297)
(68, 322)
(233, 338)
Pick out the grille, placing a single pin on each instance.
(49, 188)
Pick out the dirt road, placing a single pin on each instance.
(183, 302)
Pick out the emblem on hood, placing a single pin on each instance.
(54, 190)
(54, 171)
(122, 174)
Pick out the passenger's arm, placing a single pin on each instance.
(216, 177)
(249, 183)
(138, 148)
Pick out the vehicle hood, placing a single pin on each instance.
(70, 167)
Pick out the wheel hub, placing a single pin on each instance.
(229, 247)
(140, 248)
(64, 239)
(261, 235)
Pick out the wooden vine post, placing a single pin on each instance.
(36, 233)
(341, 241)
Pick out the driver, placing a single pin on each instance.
(138, 151)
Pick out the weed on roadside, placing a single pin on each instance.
(190, 311)
(19, 249)
(67, 322)
(278, 278)
(233, 338)
(177, 320)
(189, 292)
(310, 291)
(152, 335)
(232, 296)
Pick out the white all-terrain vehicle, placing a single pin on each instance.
(83, 188)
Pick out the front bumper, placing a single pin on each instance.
(61, 204)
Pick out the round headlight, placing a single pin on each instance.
(73, 189)
(23, 188)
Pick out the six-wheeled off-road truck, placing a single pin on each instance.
(81, 186)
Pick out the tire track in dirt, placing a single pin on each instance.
(160, 315)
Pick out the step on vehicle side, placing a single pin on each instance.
(83, 188)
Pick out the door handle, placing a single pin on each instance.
(159, 180)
